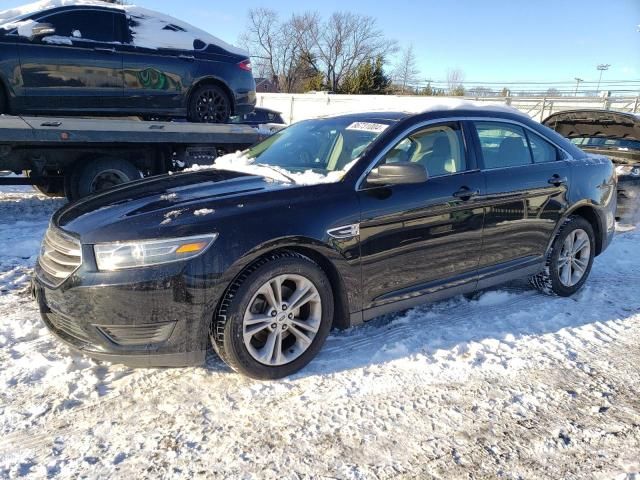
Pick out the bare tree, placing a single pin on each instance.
(480, 92)
(455, 78)
(406, 72)
(274, 49)
(341, 44)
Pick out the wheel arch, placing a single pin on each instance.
(316, 252)
(591, 214)
(211, 80)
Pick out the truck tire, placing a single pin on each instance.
(51, 187)
(209, 104)
(99, 175)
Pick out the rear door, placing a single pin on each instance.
(420, 239)
(526, 181)
(75, 68)
(157, 74)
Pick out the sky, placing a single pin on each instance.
(489, 40)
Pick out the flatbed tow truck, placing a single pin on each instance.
(75, 156)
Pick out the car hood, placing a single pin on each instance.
(599, 123)
(163, 206)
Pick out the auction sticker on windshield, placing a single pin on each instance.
(368, 127)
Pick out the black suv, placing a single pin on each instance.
(327, 223)
(104, 59)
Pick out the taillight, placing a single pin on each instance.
(245, 65)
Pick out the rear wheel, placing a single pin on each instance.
(50, 186)
(209, 104)
(275, 318)
(100, 175)
(570, 260)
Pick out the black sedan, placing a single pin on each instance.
(328, 223)
(259, 116)
(104, 59)
(610, 133)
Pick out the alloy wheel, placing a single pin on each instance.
(574, 257)
(282, 319)
(212, 107)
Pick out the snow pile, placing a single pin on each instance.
(511, 384)
(150, 29)
(240, 162)
(156, 30)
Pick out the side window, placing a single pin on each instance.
(92, 25)
(440, 149)
(503, 145)
(541, 150)
(260, 116)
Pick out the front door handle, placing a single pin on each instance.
(557, 180)
(105, 50)
(465, 193)
(189, 58)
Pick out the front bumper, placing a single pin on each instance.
(628, 198)
(154, 317)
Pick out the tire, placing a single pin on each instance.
(100, 175)
(244, 301)
(209, 104)
(53, 188)
(556, 279)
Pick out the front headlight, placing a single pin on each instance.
(633, 170)
(121, 255)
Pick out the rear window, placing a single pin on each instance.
(503, 145)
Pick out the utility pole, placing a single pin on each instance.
(578, 82)
(602, 67)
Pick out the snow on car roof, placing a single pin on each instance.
(150, 29)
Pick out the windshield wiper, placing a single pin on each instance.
(291, 179)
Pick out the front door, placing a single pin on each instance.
(77, 68)
(421, 239)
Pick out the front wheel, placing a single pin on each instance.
(209, 104)
(570, 259)
(275, 317)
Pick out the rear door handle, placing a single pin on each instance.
(557, 180)
(466, 193)
(190, 58)
(105, 50)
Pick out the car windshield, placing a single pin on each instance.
(311, 151)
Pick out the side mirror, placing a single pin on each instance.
(400, 173)
(42, 30)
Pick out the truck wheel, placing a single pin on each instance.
(100, 175)
(209, 104)
(275, 317)
(51, 186)
(53, 189)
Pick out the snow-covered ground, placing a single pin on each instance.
(511, 384)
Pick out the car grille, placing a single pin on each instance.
(138, 335)
(67, 326)
(60, 255)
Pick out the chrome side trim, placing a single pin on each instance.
(344, 232)
(435, 121)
